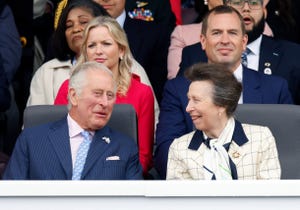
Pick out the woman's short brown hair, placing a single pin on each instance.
(226, 88)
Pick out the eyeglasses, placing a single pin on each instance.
(239, 4)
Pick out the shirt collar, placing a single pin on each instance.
(255, 45)
(74, 61)
(74, 128)
(121, 18)
(238, 73)
(239, 137)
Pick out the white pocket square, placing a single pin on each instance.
(113, 158)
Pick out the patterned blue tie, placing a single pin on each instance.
(81, 155)
(244, 56)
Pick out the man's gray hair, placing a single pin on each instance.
(78, 76)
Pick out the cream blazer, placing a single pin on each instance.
(47, 80)
(256, 159)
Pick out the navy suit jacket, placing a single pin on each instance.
(43, 153)
(279, 56)
(174, 121)
(5, 97)
(283, 57)
(10, 45)
(149, 43)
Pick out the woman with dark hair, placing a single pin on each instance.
(66, 45)
(220, 147)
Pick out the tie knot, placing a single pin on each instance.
(86, 135)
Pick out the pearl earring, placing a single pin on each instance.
(205, 2)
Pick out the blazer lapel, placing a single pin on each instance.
(251, 87)
(59, 137)
(270, 55)
(239, 138)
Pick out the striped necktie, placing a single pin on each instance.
(81, 155)
(244, 56)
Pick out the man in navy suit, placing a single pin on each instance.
(269, 55)
(223, 38)
(148, 41)
(48, 152)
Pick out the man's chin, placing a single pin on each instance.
(249, 28)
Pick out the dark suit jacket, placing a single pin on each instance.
(149, 43)
(281, 27)
(43, 153)
(281, 57)
(161, 11)
(10, 46)
(5, 97)
(174, 121)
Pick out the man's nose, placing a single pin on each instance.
(103, 100)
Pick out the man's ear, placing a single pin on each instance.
(73, 97)
(203, 41)
(265, 9)
(245, 41)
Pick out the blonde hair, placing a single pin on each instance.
(119, 36)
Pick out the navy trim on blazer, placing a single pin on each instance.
(239, 137)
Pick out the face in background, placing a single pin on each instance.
(102, 48)
(224, 40)
(204, 113)
(77, 20)
(113, 7)
(92, 107)
(251, 15)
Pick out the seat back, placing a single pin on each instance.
(284, 122)
(123, 118)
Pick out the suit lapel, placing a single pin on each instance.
(270, 55)
(97, 149)
(239, 138)
(59, 137)
(236, 153)
(251, 87)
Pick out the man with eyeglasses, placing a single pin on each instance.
(253, 4)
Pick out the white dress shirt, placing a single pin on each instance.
(121, 18)
(253, 57)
